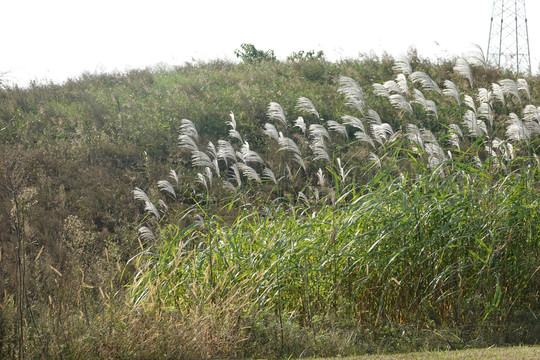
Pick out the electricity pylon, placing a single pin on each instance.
(508, 45)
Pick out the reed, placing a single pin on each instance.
(458, 250)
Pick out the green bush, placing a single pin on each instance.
(250, 54)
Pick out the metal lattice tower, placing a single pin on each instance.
(508, 45)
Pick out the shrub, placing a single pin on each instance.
(250, 54)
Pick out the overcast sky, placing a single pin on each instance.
(57, 39)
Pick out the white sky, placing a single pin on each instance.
(57, 39)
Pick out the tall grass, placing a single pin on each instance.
(459, 251)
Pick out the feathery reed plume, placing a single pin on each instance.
(505, 149)
(268, 174)
(227, 185)
(303, 197)
(249, 172)
(476, 56)
(289, 172)
(462, 67)
(402, 65)
(232, 122)
(288, 144)
(450, 89)
(436, 154)
(497, 93)
(275, 112)
(187, 142)
(301, 124)
(373, 117)
(475, 127)
(249, 156)
(318, 146)
(189, 137)
(212, 151)
(146, 234)
(400, 103)
(414, 135)
(516, 130)
(456, 129)
(428, 105)
(298, 159)
(402, 84)
(454, 134)
(341, 170)
(163, 205)
(321, 180)
(338, 128)
(381, 90)
(489, 147)
(317, 130)
(396, 135)
(305, 105)
(208, 174)
(509, 151)
(173, 175)
(510, 87)
(485, 112)
(392, 87)
(270, 131)
(200, 158)
(427, 136)
(362, 136)
(226, 152)
(166, 186)
(358, 124)
(352, 92)
(381, 131)
(187, 127)
(522, 85)
(235, 174)
(139, 194)
(425, 81)
(484, 96)
(375, 160)
(469, 101)
(233, 133)
(531, 112)
(354, 122)
(202, 179)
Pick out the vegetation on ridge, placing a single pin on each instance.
(270, 208)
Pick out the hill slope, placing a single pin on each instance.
(402, 193)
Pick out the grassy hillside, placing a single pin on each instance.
(270, 208)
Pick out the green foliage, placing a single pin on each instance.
(306, 56)
(250, 54)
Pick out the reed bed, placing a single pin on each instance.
(459, 251)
